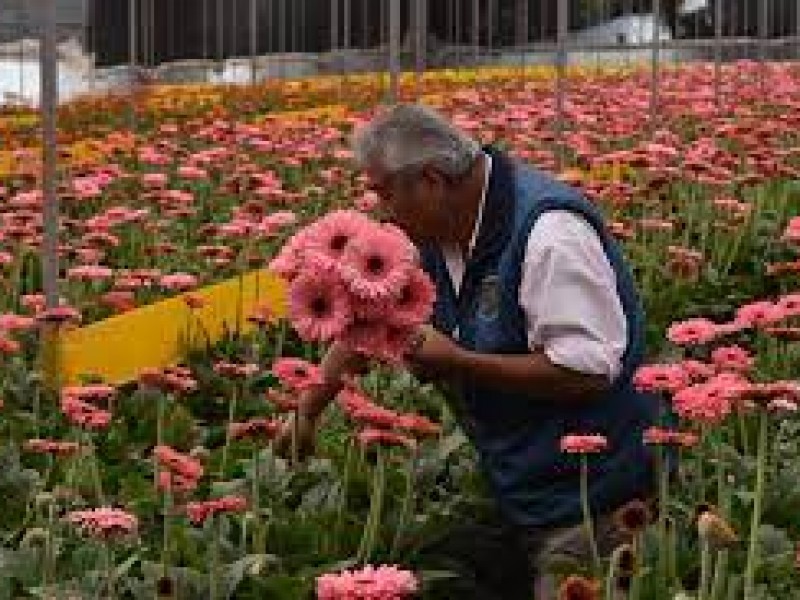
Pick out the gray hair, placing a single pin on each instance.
(410, 136)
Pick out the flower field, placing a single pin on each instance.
(171, 486)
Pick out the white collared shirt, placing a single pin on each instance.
(568, 292)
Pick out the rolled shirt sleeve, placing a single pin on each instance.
(569, 295)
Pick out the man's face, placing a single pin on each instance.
(412, 201)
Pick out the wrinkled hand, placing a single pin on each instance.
(436, 356)
(297, 438)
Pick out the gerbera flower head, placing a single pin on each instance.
(377, 264)
(297, 374)
(692, 332)
(319, 306)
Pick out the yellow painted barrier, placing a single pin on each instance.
(117, 349)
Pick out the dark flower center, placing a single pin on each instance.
(375, 264)
(319, 306)
(338, 242)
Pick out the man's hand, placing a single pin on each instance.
(297, 438)
(436, 356)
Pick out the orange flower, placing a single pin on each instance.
(576, 587)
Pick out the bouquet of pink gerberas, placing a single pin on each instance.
(357, 281)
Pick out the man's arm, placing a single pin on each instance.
(440, 357)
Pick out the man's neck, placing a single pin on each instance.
(470, 195)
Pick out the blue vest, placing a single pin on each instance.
(517, 435)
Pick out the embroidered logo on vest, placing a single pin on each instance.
(488, 297)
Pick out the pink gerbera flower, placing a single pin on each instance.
(328, 237)
(789, 305)
(377, 264)
(661, 378)
(697, 370)
(319, 307)
(584, 444)
(381, 437)
(104, 523)
(366, 336)
(732, 358)
(414, 303)
(297, 374)
(708, 403)
(369, 583)
(758, 314)
(692, 332)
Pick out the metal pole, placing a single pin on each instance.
(476, 30)
(132, 51)
(718, 53)
(656, 59)
(420, 37)
(282, 35)
(394, 49)
(220, 32)
(561, 68)
(763, 15)
(347, 24)
(253, 41)
(334, 25)
(49, 100)
(489, 25)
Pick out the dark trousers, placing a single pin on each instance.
(483, 560)
(491, 560)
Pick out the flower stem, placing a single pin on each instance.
(98, 482)
(109, 559)
(370, 536)
(231, 416)
(587, 513)
(705, 568)
(159, 434)
(406, 505)
(49, 555)
(342, 504)
(720, 576)
(165, 546)
(758, 500)
(213, 561)
(258, 535)
(611, 576)
(663, 512)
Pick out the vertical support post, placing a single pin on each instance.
(655, 65)
(394, 49)
(718, 54)
(476, 30)
(132, 47)
(421, 36)
(220, 32)
(561, 74)
(282, 25)
(521, 22)
(253, 41)
(522, 32)
(348, 22)
(490, 24)
(49, 101)
(334, 25)
(763, 16)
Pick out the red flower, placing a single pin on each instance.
(584, 444)
(297, 374)
(656, 436)
(380, 437)
(198, 512)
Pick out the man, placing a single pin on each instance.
(537, 326)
